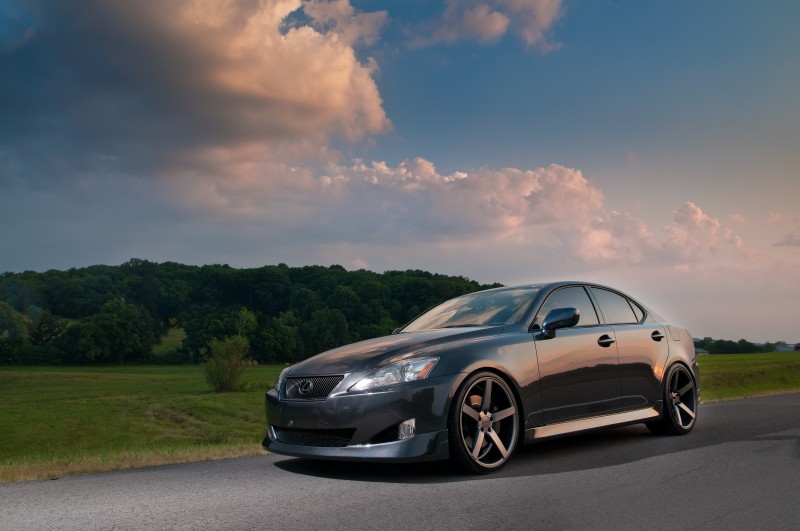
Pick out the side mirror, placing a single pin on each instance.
(559, 318)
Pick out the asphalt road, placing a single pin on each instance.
(739, 469)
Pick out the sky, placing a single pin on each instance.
(650, 146)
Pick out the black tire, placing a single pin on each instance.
(680, 403)
(483, 424)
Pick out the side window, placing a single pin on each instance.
(615, 308)
(637, 310)
(574, 297)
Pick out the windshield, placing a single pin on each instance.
(485, 308)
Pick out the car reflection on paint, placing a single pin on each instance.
(473, 378)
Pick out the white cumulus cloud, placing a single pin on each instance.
(690, 240)
(414, 198)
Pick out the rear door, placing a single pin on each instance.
(642, 346)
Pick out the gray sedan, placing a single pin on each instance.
(473, 378)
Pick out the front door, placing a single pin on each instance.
(579, 367)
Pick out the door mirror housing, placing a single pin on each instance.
(559, 318)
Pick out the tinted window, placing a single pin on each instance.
(615, 307)
(637, 310)
(485, 308)
(574, 297)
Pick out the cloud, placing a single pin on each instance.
(414, 198)
(476, 22)
(692, 217)
(488, 21)
(340, 16)
(688, 242)
(225, 114)
(554, 209)
(737, 218)
(695, 230)
(617, 237)
(532, 20)
(186, 89)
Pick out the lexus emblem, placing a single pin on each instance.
(305, 387)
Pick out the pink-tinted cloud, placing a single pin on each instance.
(194, 90)
(692, 217)
(617, 237)
(554, 209)
(737, 218)
(463, 20)
(242, 113)
(689, 241)
(489, 20)
(302, 88)
(486, 201)
(309, 81)
(289, 90)
(532, 19)
(339, 16)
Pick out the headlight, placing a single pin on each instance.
(402, 371)
(281, 378)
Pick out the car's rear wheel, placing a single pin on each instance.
(483, 424)
(680, 403)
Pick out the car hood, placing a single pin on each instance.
(373, 353)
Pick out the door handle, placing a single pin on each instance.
(657, 336)
(606, 341)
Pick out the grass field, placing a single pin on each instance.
(170, 342)
(67, 420)
(727, 376)
(55, 421)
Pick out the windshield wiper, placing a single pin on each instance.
(462, 326)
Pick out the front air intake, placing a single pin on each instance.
(311, 388)
(320, 438)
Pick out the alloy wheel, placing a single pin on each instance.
(683, 398)
(488, 422)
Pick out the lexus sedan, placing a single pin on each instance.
(477, 376)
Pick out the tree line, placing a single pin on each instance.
(116, 314)
(726, 346)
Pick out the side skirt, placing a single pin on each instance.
(593, 423)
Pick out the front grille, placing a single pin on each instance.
(313, 388)
(324, 438)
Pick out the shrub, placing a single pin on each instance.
(222, 364)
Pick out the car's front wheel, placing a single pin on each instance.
(483, 424)
(680, 403)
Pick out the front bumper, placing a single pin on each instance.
(422, 447)
(369, 420)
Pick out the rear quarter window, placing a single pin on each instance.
(615, 308)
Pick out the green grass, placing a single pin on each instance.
(170, 342)
(728, 376)
(67, 420)
(57, 420)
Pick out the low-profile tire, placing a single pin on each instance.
(483, 424)
(680, 403)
